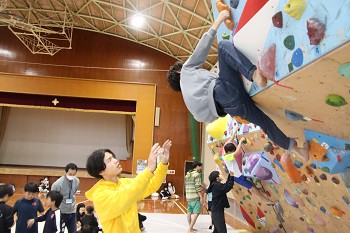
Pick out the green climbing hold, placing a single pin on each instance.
(325, 169)
(225, 36)
(248, 196)
(344, 70)
(241, 202)
(335, 100)
(289, 42)
(259, 228)
(290, 67)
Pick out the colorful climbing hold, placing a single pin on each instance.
(298, 164)
(323, 176)
(268, 193)
(289, 42)
(234, 3)
(335, 180)
(295, 8)
(266, 62)
(301, 219)
(273, 187)
(339, 159)
(335, 100)
(305, 192)
(325, 169)
(323, 209)
(290, 67)
(335, 211)
(225, 36)
(243, 198)
(278, 157)
(344, 70)
(346, 200)
(277, 20)
(241, 202)
(303, 177)
(310, 202)
(278, 164)
(310, 229)
(315, 31)
(310, 221)
(316, 179)
(297, 190)
(313, 166)
(298, 58)
(248, 196)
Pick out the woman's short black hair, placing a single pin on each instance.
(90, 209)
(5, 189)
(71, 166)
(80, 205)
(95, 164)
(31, 187)
(229, 147)
(213, 175)
(55, 196)
(174, 77)
(195, 164)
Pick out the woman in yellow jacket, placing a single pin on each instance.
(115, 199)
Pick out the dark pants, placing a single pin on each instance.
(232, 98)
(219, 222)
(70, 222)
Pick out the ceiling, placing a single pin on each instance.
(173, 27)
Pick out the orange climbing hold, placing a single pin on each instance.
(228, 22)
(288, 165)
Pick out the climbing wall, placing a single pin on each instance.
(312, 45)
(309, 206)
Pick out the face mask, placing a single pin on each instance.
(70, 177)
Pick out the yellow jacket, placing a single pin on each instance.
(116, 203)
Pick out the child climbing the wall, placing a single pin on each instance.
(209, 96)
(229, 153)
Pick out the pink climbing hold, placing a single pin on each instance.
(315, 31)
(277, 20)
(266, 62)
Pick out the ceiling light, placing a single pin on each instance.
(137, 21)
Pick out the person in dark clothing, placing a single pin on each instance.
(6, 211)
(27, 208)
(165, 194)
(80, 212)
(142, 218)
(219, 199)
(89, 219)
(52, 217)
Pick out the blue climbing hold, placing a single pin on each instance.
(313, 166)
(234, 3)
(298, 58)
(323, 209)
(344, 70)
(298, 164)
(278, 163)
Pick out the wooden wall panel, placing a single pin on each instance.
(95, 50)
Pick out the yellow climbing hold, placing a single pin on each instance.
(295, 8)
(217, 128)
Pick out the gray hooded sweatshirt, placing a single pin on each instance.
(197, 85)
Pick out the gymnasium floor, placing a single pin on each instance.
(168, 215)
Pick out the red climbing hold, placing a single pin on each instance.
(278, 157)
(266, 62)
(339, 158)
(315, 31)
(277, 20)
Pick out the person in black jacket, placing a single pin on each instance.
(6, 211)
(89, 219)
(219, 199)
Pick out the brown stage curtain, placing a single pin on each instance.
(5, 113)
(129, 126)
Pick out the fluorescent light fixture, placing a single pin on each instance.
(137, 21)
